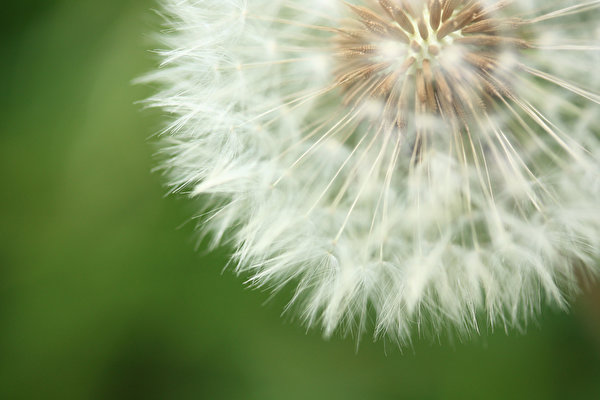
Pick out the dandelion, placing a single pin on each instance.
(401, 164)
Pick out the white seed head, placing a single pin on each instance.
(400, 163)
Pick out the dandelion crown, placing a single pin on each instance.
(399, 164)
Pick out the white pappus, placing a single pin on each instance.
(400, 163)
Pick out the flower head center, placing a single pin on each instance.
(435, 57)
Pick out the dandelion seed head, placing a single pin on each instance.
(402, 165)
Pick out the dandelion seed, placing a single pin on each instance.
(400, 163)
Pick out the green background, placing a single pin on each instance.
(104, 295)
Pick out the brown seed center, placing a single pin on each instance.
(417, 58)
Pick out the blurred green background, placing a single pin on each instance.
(103, 294)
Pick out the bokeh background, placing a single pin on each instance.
(104, 293)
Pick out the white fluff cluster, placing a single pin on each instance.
(490, 222)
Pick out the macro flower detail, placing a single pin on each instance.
(401, 165)
(447, 56)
